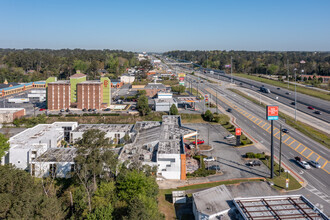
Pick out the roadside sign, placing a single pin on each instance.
(271, 112)
(238, 132)
(181, 74)
(181, 83)
(206, 97)
(181, 78)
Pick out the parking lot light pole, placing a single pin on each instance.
(295, 95)
(280, 157)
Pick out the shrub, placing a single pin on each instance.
(249, 155)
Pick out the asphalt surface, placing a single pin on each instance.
(317, 179)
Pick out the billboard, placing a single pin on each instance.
(181, 78)
(272, 112)
(181, 83)
(181, 74)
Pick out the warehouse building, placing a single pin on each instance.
(8, 115)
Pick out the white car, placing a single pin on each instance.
(209, 159)
(315, 164)
(229, 136)
(305, 165)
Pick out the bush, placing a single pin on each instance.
(249, 155)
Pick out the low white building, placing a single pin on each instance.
(55, 162)
(30, 143)
(164, 104)
(127, 78)
(113, 131)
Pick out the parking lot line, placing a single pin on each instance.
(259, 122)
(297, 147)
(264, 125)
(318, 158)
(324, 164)
(277, 133)
(287, 139)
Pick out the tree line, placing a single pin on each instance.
(38, 64)
(101, 187)
(263, 62)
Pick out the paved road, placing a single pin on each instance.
(250, 118)
(303, 101)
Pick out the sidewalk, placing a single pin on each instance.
(303, 117)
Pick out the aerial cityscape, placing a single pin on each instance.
(201, 110)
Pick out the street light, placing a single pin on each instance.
(295, 95)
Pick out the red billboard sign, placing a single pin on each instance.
(272, 112)
(238, 132)
(206, 97)
(181, 78)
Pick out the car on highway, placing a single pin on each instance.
(198, 142)
(310, 107)
(318, 112)
(302, 163)
(278, 88)
(293, 103)
(230, 136)
(284, 130)
(229, 110)
(42, 109)
(314, 164)
(288, 93)
(209, 159)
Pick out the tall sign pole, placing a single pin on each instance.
(231, 68)
(279, 171)
(238, 133)
(271, 115)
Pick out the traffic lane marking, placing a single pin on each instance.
(285, 139)
(310, 155)
(292, 142)
(323, 161)
(307, 152)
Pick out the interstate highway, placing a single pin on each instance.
(249, 112)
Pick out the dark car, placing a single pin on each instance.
(293, 103)
(278, 88)
(288, 93)
(318, 112)
(84, 109)
(229, 110)
(90, 110)
(67, 110)
(284, 130)
(107, 110)
(241, 83)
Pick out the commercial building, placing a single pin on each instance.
(253, 200)
(78, 93)
(13, 88)
(164, 104)
(127, 78)
(160, 144)
(32, 142)
(116, 132)
(115, 83)
(153, 88)
(8, 115)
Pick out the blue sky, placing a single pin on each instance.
(166, 25)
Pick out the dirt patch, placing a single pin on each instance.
(204, 147)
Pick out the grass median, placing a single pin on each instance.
(304, 90)
(311, 132)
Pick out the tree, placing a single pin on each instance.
(4, 145)
(143, 106)
(208, 115)
(174, 110)
(23, 198)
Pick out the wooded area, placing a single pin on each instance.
(264, 62)
(38, 64)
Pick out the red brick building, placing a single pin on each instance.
(89, 95)
(8, 115)
(58, 95)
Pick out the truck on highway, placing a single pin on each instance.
(302, 163)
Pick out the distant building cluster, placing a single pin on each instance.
(7, 89)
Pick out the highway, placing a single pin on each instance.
(285, 96)
(251, 118)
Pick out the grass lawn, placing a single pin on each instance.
(194, 93)
(304, 90)
(311, 132)
(279, 181)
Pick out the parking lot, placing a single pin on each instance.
(230, 159)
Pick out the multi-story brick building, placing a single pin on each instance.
(58, 95)
(90, 95)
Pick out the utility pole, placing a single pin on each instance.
(216, 100)
(231, 68)
(280, 157)
(272, 150)
(295, 95)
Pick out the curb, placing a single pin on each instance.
(248, 145)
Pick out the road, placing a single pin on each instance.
(303, 101)
(251, 118)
